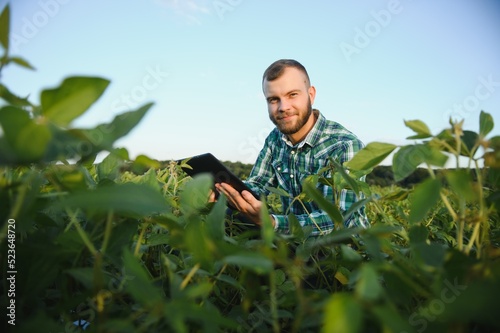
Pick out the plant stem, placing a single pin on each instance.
(274, 303)
(139, 240)
(81, 232)
(189, 276)
(107, 231)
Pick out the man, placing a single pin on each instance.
(301, 145)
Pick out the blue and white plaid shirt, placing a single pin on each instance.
(281, 164)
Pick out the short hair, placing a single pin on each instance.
(276, 69)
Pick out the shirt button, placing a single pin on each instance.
(291, 176)
(279, 168)
(293, 152)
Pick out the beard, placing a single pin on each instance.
(293, 128)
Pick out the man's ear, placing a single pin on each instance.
(312, 93)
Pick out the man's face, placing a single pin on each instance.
(289, 100)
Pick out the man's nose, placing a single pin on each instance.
(284, 105)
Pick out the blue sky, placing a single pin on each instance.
(374, 64)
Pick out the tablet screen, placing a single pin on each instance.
(208, 163)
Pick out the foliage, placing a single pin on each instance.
(126, 245)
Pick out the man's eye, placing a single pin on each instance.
(273, 100)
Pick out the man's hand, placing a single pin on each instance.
(244, 202)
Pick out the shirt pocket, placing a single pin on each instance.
(282, 173)
(314, 166)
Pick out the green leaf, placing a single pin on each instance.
(71, 99)
(138, 282)
(21, 62)
(391, 320)
(253, 261)
(12, 120)
(85, 275)
(348, 254)
(216, 219)
(278, 191)
(418, 234)
(104, 136)
(128, 199)
(5, 27)
(267, 229)
(469, 139)
(418, 127)
(202, 247)
(343, 314)
(425, 196)
(370, 156)
(11, 98)
(462, 184)
(408, 158)
(353, 185)
(194, 196)
(329, 207)
(295, 228)
(485, 123)
(109, 168)
(32, 141)
(28, 140)
(368, 286)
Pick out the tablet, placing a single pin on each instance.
(207, 163)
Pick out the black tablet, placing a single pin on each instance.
(207, 163)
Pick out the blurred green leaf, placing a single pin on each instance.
(253, 261)
(267, 229)
(418, 234)
(5, 27)
(216, 219)
(370, 156)
(128, 199)
(353, 185)
(194, 195)
(462, 184)
(71, 99)
(329, 207)
(104, 136)
(343, 314)
(391, 320)
(109, 168)
(368, 287)
(21, 62)
(84, 275)
(11, 98)
(349, 254)
(28, 140)
(425, 196)
(295, 228)
(408, 158)
(198, 242)
(278, 191)
(469, 139)
(418, 127)
(138, 282)
(485, 124)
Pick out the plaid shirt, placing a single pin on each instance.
(281, 164)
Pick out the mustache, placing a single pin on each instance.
(281, 116)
